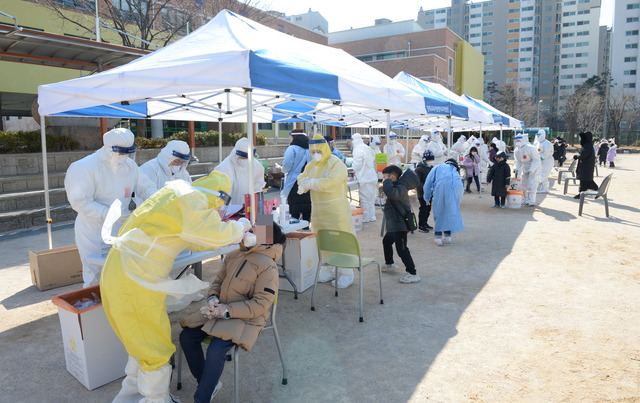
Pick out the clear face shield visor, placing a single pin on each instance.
(180, 159)
(128, 151)
(225, 197)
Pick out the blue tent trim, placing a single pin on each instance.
(135, 111)
(276, 72)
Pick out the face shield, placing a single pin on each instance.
(223, 196)
(179, 162)
(121, 153)
(319, 149)
(518, 141)
(393, 138)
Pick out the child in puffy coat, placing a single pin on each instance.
(471, 163)
(396, 187)
(499, 177)
(238, 305)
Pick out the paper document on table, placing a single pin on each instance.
(232, 209)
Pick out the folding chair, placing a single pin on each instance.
(571, 170)
(345, 252)
(271, 325)
(601, 192)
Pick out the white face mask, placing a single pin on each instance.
(243, 162)
(317, 157)
(175, 169)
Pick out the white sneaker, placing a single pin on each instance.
(409, 278)
(215, 391)
(438, 240)
(389, 267)
(447, 239)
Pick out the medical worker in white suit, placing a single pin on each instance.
(394, 150)
(545, 149)
(236, 167)
(96, 181)
(170, 164)
(438, 149)
(419, 149)
(527, 168)
(364, 168)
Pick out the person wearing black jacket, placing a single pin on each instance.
(586, 163)
(422, 170)
(500, 175)
(560, 151)
(603, 150)
(396, 187)
(295, 160)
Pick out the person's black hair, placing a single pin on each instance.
(328, 138)
(297, 131)
(493, 145)
(278, 236)
(392, 170)
(472, 149)
(453, 162)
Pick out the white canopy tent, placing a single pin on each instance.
(237, 70)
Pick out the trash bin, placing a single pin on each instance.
(93, 353)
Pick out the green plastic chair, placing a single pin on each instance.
(345, 252)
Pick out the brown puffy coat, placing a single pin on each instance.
(247, 283)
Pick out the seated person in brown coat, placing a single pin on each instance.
(238, 305)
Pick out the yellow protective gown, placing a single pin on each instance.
(135, 280)
(327, 181)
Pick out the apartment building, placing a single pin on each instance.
(624, 50)
(546, 47)
(311, 21)
(436, 55)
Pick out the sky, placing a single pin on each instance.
(346, 14)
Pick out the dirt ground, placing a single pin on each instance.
(536, 304)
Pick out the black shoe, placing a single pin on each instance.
(576, 196)
(423, 229)
(427, 226)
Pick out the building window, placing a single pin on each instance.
(630, 59)
(630, 72)
(264, 126)
(629, 85)
(632, 33)
(631, 46)
(488, 62)
(488, 43)
(582, 54)
(633, 6)
(632, 19)
(77, 4)
(451, 67)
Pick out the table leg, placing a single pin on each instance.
(197, 269)
(286, 275)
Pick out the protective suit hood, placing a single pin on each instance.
(437, 137)
(425, 138)
(541, 135)
(376, 140)
(166, 155)
(217, 182)
(318, 143)
(356, 139)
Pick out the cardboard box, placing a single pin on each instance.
(301, 260)
(93, 353)
(57, 267)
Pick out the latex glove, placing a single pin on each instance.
(303, 186)
(249, 240)
(278, 166)
(218, 311)
(207, 311)
(213, 301)
(246, 224)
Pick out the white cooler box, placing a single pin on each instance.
(301, 261)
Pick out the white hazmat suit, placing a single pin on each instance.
(394, 150)
(96, 181)
(459, 149)
(502, 146)
(419, 149)
(236, 167)
(545, 149)
(438, 149)
(170, 164)
(527, 167)
(485, 163)
(375, 144)
(365, 170)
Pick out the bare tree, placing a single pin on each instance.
(584, 109)
(622, 107)
(154, 21)
(515, 102)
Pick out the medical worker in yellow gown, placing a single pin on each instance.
(326, 177)
(135, 279)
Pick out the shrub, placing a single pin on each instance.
(30, 142)
(144, 142)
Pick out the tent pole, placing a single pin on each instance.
(500, 131)
(45, 174)
(220, 140)
(388, 115)
(192, 139)
(252, 201)
(406, 152)
(277, 130)
(449, 137)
